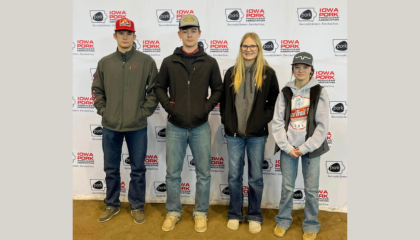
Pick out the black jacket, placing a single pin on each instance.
(262, 109)
(188, 79)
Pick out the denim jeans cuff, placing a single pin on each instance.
(113, 206)
(254, 219)
(311, 230)
(230, 217)
(283, 225)
(199, 214)
(176, 214)
(138, 208)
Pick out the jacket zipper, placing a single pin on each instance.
(189, 96)
(234, 109)
(122, 99)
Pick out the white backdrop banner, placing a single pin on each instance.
(285, 28)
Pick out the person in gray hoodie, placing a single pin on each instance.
(300, 127)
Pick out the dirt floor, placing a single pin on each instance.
(122, 226)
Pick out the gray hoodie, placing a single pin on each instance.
(296, 133)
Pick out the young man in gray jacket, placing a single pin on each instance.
(123, 94)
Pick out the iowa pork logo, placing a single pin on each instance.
(269, 45)
(98, 16)
(329, 14)
(96, 130)
(338, 107)
(299, 195)
(164, 15)
(115, 15)
(290, 46)
(85, 102)
(97, 184)
(160, 134)
(217, 162)
(340, 45)
(151, 46)
(160, 187)
(180, 13)
(306, 14)
(255, 15)
(85, 158)
(335, 167)
(151, 161)
(325, 77)
(85, 46)
(219, 46)
(234, 14)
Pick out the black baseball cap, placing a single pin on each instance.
(303, 57)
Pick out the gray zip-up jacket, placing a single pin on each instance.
(123, 92)
(296, 133)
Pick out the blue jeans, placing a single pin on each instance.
(310, 169)
(255, 147)
(177, 139)
(137, 146)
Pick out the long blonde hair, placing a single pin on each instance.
(259, 66)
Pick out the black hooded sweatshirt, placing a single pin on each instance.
(188, 78)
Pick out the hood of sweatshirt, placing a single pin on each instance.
(178, 51)
(310, 84)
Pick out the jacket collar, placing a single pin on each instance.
(125, 56)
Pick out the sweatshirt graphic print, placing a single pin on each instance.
(299, 113)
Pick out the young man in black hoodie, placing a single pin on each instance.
(188, 73)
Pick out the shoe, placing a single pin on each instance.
(138, 216)
(200, 224)
(169, 223)
(254, 227)
(233, 224)
(279, 232)
(107, 214)
(309, 236)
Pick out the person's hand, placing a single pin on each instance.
(298, 152)
(294, 153)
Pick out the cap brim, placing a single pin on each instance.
(302, 63)
(190, 25)
(125, 30)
